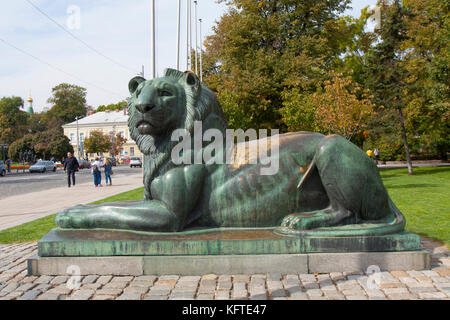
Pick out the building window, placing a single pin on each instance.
(121, 151)
(122, 134)
(72, 137)
(82, 136)
(131, 151)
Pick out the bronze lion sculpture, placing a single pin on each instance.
(324, 184)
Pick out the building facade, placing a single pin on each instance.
(108, 122)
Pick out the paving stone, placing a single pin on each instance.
(314, 293)
(375, 293)
(103, 297)
(182, 296)
(59, 280)
(122, 279)
(347, 284)
(241, 278)
(274, 285)
(430, 273)
(43, 287)
(62, 289)
(278, 293)
(391, 291)
(205, 297)
(224, 285)
(10, 287)
(403, 296)
(354, 292)
(116, 285)
(222, 295)
(361, 297)
(49, 296)
(310, 285)
(307, 277)
(26, 287)
(136, 290)
(400, 274)
(82, 294)
(28, 279)
(440, 279)
(415, 274)
(422, 289)
(108, 292)
(159, 292)
(150, 279)
(89, 279)
(30, 295)
(93, 286)
(153, 297)
(443, 272)
(334, 296)
(129, 296)
(259, 296)
(104, 279)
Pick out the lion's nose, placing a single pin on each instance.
(144, 107)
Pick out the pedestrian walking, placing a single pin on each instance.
(376, 153)
(8, 165)
(108, 172)
(96, 171)
(71, 165)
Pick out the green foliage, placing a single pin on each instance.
(97, 142)
(69, 102)
(261, 49)
(112, 107)
(23, 144)
(13, 121)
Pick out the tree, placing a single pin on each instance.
(69, 102)
(51, 143)
(117, 141)
(20, 146)
(386, 73)
(13, 121)
(112, 107)
(343, 107)
(97, 142)
(262, 49)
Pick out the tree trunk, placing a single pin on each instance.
(405, 141)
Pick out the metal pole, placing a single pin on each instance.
(201, 51)
(196, 39)
(78, 141)
(178, 34)
(187, 34)
(153, 65)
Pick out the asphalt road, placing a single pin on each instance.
(22, 183)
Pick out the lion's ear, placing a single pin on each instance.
(192, 79)
(134, 83)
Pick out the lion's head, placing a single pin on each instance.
(157, 107)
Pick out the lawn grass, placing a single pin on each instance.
(423, 198)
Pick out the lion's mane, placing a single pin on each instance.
(200, 103)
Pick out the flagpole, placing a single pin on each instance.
(153, 51)
(178, 34)
(201, 51)
(196, 40)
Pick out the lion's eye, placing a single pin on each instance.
(165, 93)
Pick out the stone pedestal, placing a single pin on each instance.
(221, 251)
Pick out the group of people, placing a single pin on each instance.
(96, 171)
(71, 166)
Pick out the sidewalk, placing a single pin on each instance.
(433, 284)
(19, 209)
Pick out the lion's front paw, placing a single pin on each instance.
(73, 218)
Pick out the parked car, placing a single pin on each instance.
(113, 161)
(84, 164)
(135, 162)
(43, 166)
(124, 160)
(2, 169)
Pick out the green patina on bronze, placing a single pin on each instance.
(325, 186)
(221, 241)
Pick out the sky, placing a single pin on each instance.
(115, 30)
